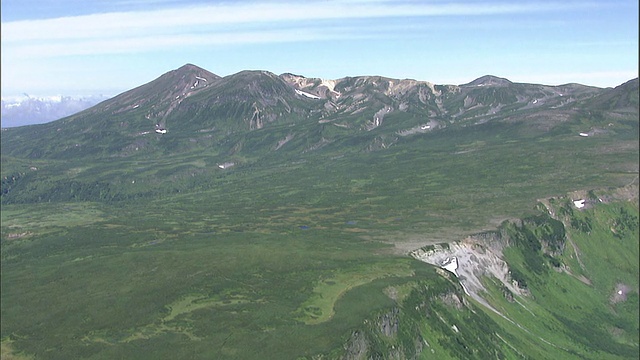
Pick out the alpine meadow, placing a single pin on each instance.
(264, 216)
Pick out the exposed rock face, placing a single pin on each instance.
(452, 299)
(389, 323)
(477, 256)
(365, 344)
(357, 347)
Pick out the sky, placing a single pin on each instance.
(105, 47)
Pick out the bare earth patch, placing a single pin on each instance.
(18, 235)
(619, 294)
(7, 352)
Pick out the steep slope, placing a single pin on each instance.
(621, 99)
(398, 108)
(161, 94)
(158, 98)
(363, 103)
(488, 98)
(546, 289)
(114, 127)
(188, 103)
(248, 100)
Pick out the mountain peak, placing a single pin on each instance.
(190, 70)
(189, 66)
(165, 92)
(489, 80)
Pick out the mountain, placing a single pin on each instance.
(29, 110)
(489, 80)
(623, 98)
(255, 116)
(192, 103)
(264, 216)
(161, 94)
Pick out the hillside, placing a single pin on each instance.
(259, 216)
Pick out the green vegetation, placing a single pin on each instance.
(172, 276)
(590, 307)
(119, 245)
(319, 307)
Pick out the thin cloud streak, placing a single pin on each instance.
(152, 43)
(191, 18)
(432, 40)
(224, 24)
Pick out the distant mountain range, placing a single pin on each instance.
(29, 110)
(194, 109)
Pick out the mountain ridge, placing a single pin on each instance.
(200, 109)
(184, 82)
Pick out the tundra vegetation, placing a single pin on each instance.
(141, 246)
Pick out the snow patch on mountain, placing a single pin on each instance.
(300, 92)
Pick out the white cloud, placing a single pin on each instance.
(212, 17)
(101, 46)
(440, 27)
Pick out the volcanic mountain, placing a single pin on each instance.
(199, 109)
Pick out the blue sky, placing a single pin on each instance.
(76, 47)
